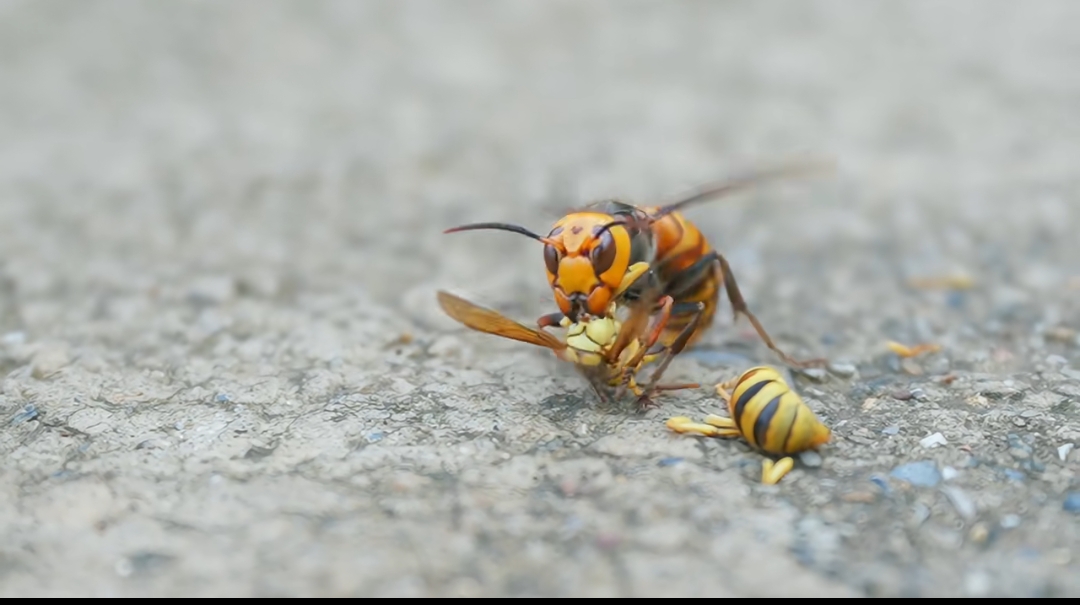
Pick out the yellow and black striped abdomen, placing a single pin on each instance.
(706, 292)
(679, 248)
(771, 416)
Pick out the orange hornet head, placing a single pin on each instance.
(586, 254)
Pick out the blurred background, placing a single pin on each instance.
(307, 156)
(274, 131)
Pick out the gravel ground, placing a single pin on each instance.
(224, 371)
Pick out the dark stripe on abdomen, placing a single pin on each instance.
(761, 427)
(741, 403)
(791, 429)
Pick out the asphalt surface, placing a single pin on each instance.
(225, 372)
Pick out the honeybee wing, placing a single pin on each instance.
(493, 322)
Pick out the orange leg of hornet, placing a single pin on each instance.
(676, 347)
(738, 304)
(631, 366)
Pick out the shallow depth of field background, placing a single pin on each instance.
(223, 370)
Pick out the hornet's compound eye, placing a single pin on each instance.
(551, 259)
(603, 253)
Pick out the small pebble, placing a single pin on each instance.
(1072, 502)
(890, 430)
(962, 502)
(810, 459)
(901, 395)
(979, 533)
(1014, 475)
(843, 370)
(1010, 521)
(1063, 451)
(919, 394)
(222, 398)
(669, 461)
(949, 473)
(923, 473)
(256, 451)
(933, 441)
(815, 374)
(1056, 361)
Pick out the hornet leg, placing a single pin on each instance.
(676, 347)
(628, 369)
(644, 395)
(686, 308)
(738, 304)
